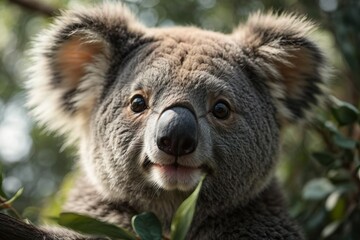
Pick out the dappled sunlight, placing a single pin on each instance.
(15, 141)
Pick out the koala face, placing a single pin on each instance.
(182, 108)
(154, 109)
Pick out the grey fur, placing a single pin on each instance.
(255, 70)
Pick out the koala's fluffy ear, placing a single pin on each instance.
(278, 51)
(73, 60)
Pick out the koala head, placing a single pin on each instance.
(152, 109)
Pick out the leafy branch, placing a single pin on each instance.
(6, 203)
(145, 225)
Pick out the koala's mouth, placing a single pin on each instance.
(174, 176)
(147, 163)
(172, 168)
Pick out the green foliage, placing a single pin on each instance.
(324, 158)
(88, 225)
(2, 193)
(183, 217)
(147, 226)
(344, 112)
(317, 189)
(6, 203)
(334, 197)
(13, 198)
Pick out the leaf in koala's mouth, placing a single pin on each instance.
(182, 219)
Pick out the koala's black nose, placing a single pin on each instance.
(177, 131)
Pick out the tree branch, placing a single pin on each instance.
(36, 6)
(14, 229)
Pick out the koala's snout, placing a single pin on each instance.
(177, 131)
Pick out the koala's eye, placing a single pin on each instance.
(138, 104)
(221, 110)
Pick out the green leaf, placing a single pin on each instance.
(11, 200)
(317, 189)
(316, 219)
(2, 193)
(339, 175)
(344, 142)
(336, 205)
(331, 127)
(323, 158)
(330, 229)
(184, 214)
(332, 200)
(88, 225)
(147, 226)
(345, 113)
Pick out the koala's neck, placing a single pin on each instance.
(263, 217)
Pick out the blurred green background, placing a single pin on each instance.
(319, 164)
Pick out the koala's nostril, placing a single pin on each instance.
(188, 145)
(177, 131)
(165, 141)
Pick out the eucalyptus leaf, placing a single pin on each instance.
(323, 158)
(344, 142)
(182, 219)
(88, 225)
(347, 187)
(316, 218)
(339, 175)
(2, 193)
(330, 229)
(147, 226)
(16, 196)
(328, 125)
(332, 200)
(345, 113)
(318, 189)
(339, 210)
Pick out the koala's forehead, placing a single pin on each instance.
(189, 49)
(185, 58)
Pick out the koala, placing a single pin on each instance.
(153, 109)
